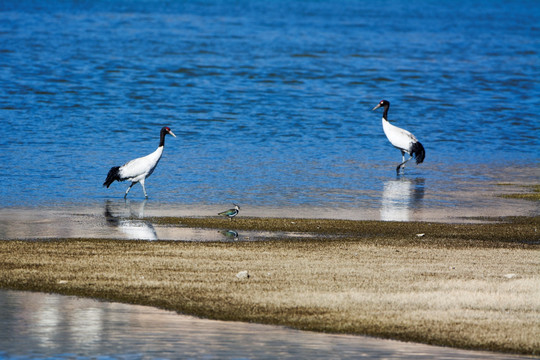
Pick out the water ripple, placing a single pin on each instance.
(276, 86)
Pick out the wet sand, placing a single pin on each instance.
(120, 219)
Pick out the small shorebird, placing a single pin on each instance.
(401, 139)
(139, 169)
(231, 212)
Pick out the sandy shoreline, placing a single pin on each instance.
(473, 286)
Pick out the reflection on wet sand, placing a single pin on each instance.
(402, 199)
(128, 218)
(133, 228)
(34, 325)
(230, 234)
(401, 196)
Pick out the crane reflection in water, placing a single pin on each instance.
(401, 197)
(129, 221)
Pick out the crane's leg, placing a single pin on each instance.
(129, 188)
(402, 165)
(144, 189)
(402, 162)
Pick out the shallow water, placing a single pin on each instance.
(118, 220)
(132, 220)
(39, 326)
(271, 100)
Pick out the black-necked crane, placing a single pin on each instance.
(231, 212)
(139, 169)
(401, 139)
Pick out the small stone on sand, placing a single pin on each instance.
(243, 275)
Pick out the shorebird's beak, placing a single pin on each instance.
(171, 133)
(376, 107)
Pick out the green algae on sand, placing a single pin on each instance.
(533, 193)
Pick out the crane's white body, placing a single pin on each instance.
(141, 168)
(400, 138)
(137, 170)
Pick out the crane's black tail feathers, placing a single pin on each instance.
(418, 152)
(113, 175)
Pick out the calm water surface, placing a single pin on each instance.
(63, 327)
(271, 99)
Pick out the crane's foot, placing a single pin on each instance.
(400, 170)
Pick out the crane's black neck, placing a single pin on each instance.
(162, 137)
(385, 112)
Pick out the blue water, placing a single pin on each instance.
(271, 100)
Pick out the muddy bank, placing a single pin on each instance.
(472, 286)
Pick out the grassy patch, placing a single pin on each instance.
(533, 193)
(467, 286)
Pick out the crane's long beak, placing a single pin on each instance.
(376, 107)
(170, 132)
